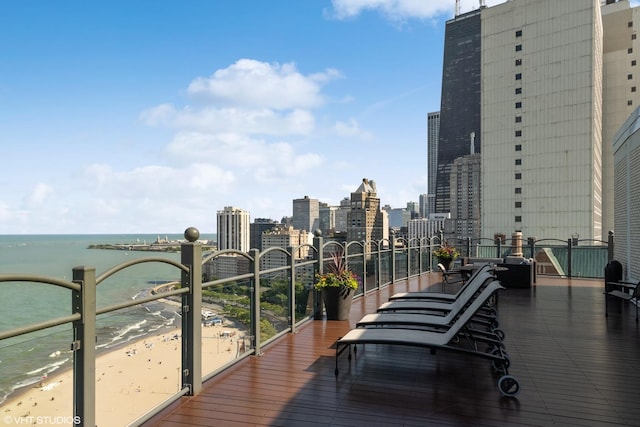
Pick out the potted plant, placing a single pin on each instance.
(337, 287)
(446, 255)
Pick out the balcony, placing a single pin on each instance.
(575, 365)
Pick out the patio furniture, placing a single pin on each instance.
(615, 287)
(438, 322)
(440, 306)
(455, 339)
(443, 296)
(451, 277)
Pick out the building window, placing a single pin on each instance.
(630, 50)
(519, 76)
(518, 175)
(518, 62)
(518, 104)
(630, 24)
(518, 119)
(518, 162)
(629, 102)
(633, 63)
(518, 218)
(518, 133)
(518, 90)
(518, 204)
(633, 88)
(518, 147)
(518, 33)
(629, 76)
(633, 36)
(518, 47)
(518, 190)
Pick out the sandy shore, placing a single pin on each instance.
(129, 381)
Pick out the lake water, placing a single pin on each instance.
(24, 360)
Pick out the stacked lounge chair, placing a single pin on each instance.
(465, 327)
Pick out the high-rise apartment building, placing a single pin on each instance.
(342, 214)
(306, 214)
(257, 227)
(466, 196)
(460, 99)
(433, 133)
(327, 219)
(558, 79)
(542, 118)
(366, 221)
(283, 237)
(233, 229)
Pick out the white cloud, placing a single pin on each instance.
(220, 120)
(254, 157)
(254, 84)
(399, 10)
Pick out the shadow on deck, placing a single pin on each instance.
(576, 368)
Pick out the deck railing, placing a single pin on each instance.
(377, 264)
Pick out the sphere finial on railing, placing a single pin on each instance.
(317, 233)
(191, 234)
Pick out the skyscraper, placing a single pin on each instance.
(542, 118)
(366, 221)
(460, 99)
(233, 229)
(433, 133)
(557, 81)
(306, 214)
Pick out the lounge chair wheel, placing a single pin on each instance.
(508, 385)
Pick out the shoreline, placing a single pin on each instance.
(131, 379)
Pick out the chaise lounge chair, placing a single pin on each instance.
(441, 306)
(454, 339)
(438, 323)
(480, 274)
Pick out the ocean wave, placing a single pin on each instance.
(127, 329)
(47, 369)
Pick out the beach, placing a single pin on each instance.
(130, 380)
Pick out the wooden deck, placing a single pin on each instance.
(576, 368)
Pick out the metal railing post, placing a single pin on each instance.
(318, 243)
(191, 256)
(84, 347)
(569, 246)
(292, 290)
(364, 267)
(393, 258)
(255, 299)
(610, 246)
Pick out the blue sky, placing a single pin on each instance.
(149, 116)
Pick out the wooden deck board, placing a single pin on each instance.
(576, 368)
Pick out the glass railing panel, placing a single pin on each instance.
(138, 364)
(226, 322)
(36, 378)
(385, 267)
(274, 303)
(401, 264)
(370, 280)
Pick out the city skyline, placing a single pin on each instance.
(125, 118)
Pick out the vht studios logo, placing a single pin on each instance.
(42, 420)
